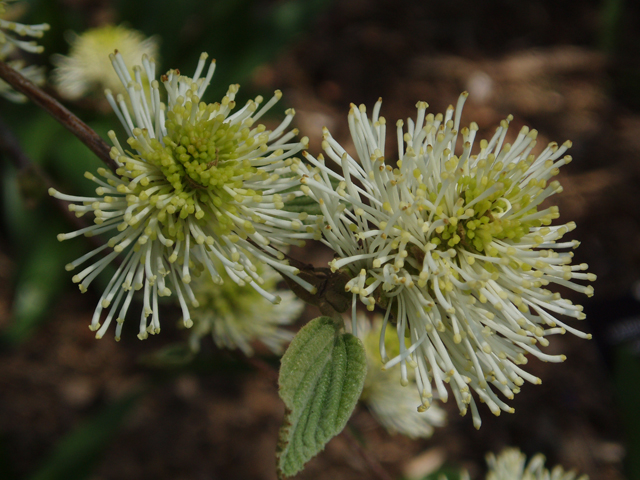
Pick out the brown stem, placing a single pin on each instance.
(76, 126)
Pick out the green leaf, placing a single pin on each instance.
(306, 203)
(321, 378)
(40, 256)
(626, 379)
(71, 159)
(303, 204)
(267, 27)
(40, 281)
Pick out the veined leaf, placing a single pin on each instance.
(321, 378)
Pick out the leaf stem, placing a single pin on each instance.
(76, 126)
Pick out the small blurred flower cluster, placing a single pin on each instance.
(87, 69)
(512, 464)
(392, 401)
(237, 316)
(12, 39)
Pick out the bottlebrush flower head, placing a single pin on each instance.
(454, 245)
(200, 188)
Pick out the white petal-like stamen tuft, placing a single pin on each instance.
(198, 189)
(11, 42)
(453, 244)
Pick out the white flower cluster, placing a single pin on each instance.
(11, 40)
(199, 188)
(87, 66)
(390, 400)
(512, 464)
(236, 316)
(9, 29)
(454, 246)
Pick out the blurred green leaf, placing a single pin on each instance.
(7, 470)
(241, 35)
(76, 454)
(626, 376)
(71, 159)
(41, 259)
(40, 135)
(321, 377)
(611, 15)
(18, 219)
(41, 279)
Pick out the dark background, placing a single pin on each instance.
(72, 407)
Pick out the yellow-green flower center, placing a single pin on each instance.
(201, 153)
(203, 160)
(497, 215)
